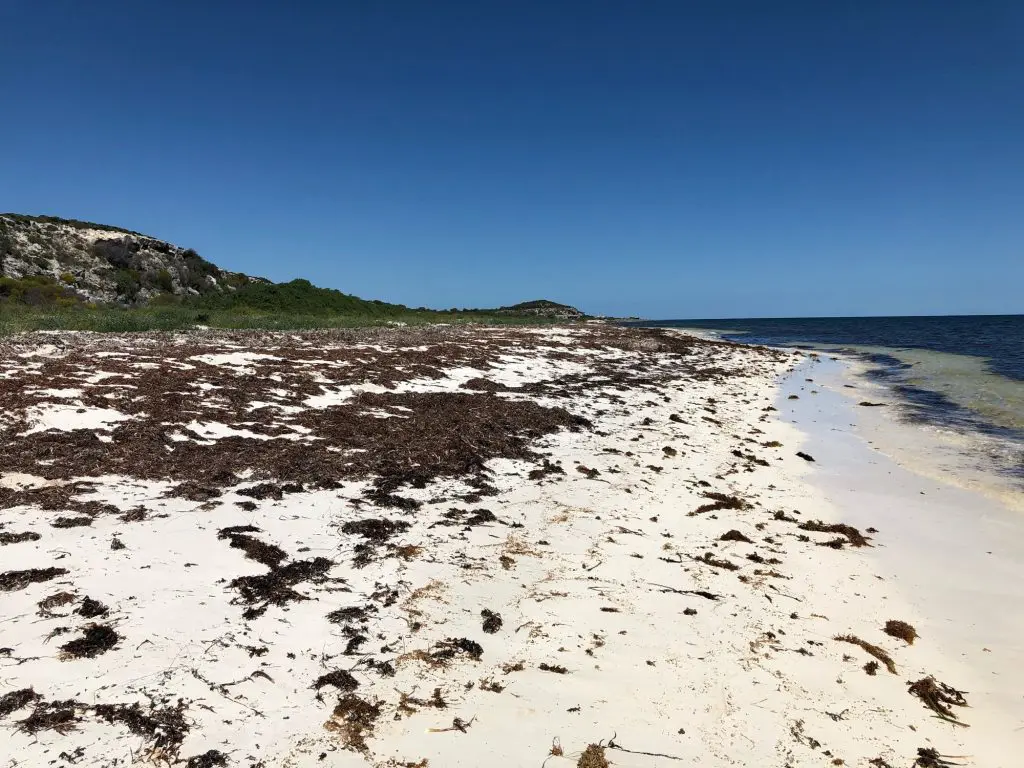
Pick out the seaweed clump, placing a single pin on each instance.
(11, 581)
(96, 639)
(855, 537)
(17, 538)
(593, 757)
(210, 759)
(734, 535)
(719, 501)
(874, 650)
(91, 609)
(902, 630)
(276, 586)
(263, 553)
(354, 719)
(492, 621)
(339, 678)
(15, 700)
(163, 728)
(446, 650)
(939, 697)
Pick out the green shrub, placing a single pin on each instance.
(164, 281)
(128, 284)
(67, 278)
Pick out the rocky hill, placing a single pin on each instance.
(543, 308)
(105, 264)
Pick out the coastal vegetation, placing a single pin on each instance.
(40, 303)
(66, 274)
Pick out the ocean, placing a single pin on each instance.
(963, 374)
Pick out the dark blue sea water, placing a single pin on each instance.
(960, 372)
(997, 338)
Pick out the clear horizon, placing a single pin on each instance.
(791, 160)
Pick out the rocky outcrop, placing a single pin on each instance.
(543, 308)
(105, 264)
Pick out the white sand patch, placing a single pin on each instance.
(44, 350)
(238, 359)
(99, 376)
(212, 430)
(22, 481)
(68, 417)
(64, 393)
(342, 394)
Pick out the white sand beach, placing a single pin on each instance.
(449, 547)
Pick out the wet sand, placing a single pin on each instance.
(457, 547)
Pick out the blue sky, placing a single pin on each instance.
(668, 159)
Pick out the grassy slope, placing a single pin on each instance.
(285, 306)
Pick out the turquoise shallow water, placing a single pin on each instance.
(961, 373)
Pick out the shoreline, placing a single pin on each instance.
(952, 552)
(652, 583)
(976, 455)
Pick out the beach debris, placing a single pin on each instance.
(546, 468)
(902, 630)
(871, 668)
(734, 535)
(91, 609)
(593, 757)
(373, 532)
(708, 558)
(408, 703)
(116, 544)
(376, 530)
(96, 639)
(354, 720)
(492, 621)
(869, 404)
(458, 724)
(192, 491)
(590, 473)
(11, 581)
(718, 502)
(135, 515)
(209, 759)
(939, 697)
(874, 650)
(929, 757)
(16, 538)
(853, 536)
(56, 600)
(275, 587)
(71, 522)
(443, 652)
(15, 700)
(262, 491)
(163, 728)
(556, 668)
(59, 716)
(254, 549)
(339, 678)
(805, 456)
